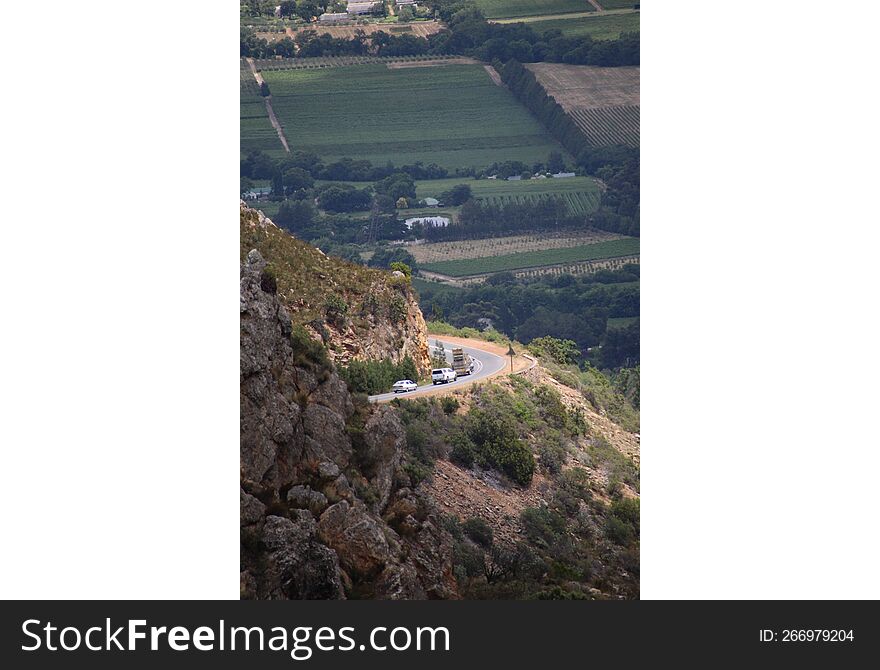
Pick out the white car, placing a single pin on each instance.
(443, 376)
(404, 385)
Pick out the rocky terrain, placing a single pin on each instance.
(326, 510)
(357, 312)
(525, 486)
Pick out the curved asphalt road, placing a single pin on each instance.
(485, 364)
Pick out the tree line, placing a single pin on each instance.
(564, 307)
(617, 166)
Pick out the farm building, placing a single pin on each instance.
(333, 18)
(431, 202)
(404, 3)
(428, 221)
(516, 177)
(563, 175)
(362, 7)
(257, 192)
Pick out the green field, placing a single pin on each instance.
(502, 9)
(599, 27)
(254, 127)
(628, 246)
(452, 115)
(433, 287)
(580, 193)
(617, 4)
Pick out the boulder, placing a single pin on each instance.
(296, 565)
(385, 439)
(305, 498)
(357, 538)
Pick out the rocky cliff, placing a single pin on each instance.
(326, 509)
(357, 312)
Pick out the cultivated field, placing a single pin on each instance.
(609, 125)
(417, 28)
(255, 129)
(585, 268)
(618, 4)
(434, 252)
(623, 247)
(500, 9)
(580, 194)
(604, 101)
(393, 62)
(453, 115)
(597, 26)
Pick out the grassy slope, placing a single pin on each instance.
(472, 266)
(304, 273)
(452, 115)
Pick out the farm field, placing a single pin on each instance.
(628, 246)
(582, 268)
(617, 4)
(422, 286)
(581, 194)
(500, 9)
(604, 102)
(597, 26)
(417, 28)
(434, 252)
(453, 115)
(255, 130)
(268, 64)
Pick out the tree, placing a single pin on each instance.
(555, 163)
(405, 14)
(296, 179)
(402, 267)
(288, 7)
(457, 195)
(295, 215)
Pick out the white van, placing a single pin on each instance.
(443, 375)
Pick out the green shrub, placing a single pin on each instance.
(498, 446)
(619, 531)
(402, 267)
(449, 404)
(563, 352)
(374, 377)
(269, 280)
(552, 456)
(335, 309)
(478, 530)
(542, 525)
(397, 309)
(558, 593)
(307, 352)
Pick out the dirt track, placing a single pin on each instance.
(272, 118)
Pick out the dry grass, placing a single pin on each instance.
(588, 87)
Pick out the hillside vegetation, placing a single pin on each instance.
(359, 313)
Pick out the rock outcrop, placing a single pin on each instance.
(359, 313)
(323, 515)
